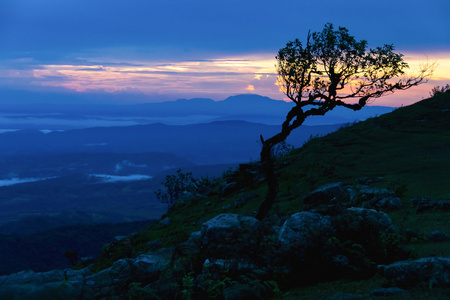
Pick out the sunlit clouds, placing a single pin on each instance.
(215, 78)
(224, 76)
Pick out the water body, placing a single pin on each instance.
(116, 178)
(12, 181)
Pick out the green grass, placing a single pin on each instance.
(409, 148)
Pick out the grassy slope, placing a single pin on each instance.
(409, 148)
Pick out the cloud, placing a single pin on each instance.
(178, 49)
(203, 77)
(60, 29)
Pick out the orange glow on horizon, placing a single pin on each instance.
(225, 76)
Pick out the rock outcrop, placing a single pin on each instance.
(433, 271)
(231, 258)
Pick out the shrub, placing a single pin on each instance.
(174, 186)
(437, 90)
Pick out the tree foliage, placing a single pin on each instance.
(174, 186)
(437, 90)
(331, 69)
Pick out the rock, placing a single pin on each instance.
(371, 196)
(417, 200)
(370, 193)
(224, 265)
(387, 292)
(119, 237)
(377, 220)
(116, 279)
(31, 277)
(368, 180)
(433, 271)
(87, 260)
(226, 207)
(191, 246)
(228, 188)
(412, 234)
(422, 204)
(324, 195)
(55, 284)
(153, 245)
(147, 267)
(304, 228)
(243, 200)
(228, 229)
(438, 236)
(390, 203)
(194, 238)
(165, 222)
(443, 205)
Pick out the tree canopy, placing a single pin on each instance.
(332, 69)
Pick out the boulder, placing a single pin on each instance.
(55, 284)
(372, 196)
(228, 228)
(443, 205)
(165, 222)
(324, 195)
(438, 236)
(433, 271)
(375, 220)
(31, 277)
(228, 188)
(305, 228)
(390, 203)
(422, 204)
(369, 193)
(115, 280)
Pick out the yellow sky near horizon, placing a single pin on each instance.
(206, 78)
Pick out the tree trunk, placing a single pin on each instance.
(272, 184)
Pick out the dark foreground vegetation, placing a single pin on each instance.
(362, 213)
(47, 249)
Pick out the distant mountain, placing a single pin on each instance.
(246, 107)
(209, 143)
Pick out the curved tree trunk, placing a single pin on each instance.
(272, 184)
(269, 169)
(295, 118)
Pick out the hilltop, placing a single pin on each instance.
(351, 205)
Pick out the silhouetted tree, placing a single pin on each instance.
(174, 186)
(72, 256)
(437, 90)
(331, 69)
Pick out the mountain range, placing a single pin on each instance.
(246, 107)
(358, 202)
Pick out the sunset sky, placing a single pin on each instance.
(145, 50)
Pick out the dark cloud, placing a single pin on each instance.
(55, 27)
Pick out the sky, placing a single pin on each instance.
(117, 51)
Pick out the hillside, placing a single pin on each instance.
(402, 156)
(406, 150)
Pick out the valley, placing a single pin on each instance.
(87, 176)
